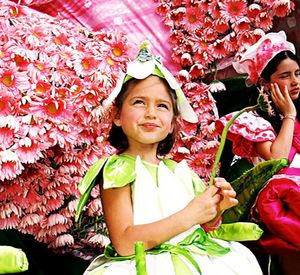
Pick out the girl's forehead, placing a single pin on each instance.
(150, 86)
(287, 65)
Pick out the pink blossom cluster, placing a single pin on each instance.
(206, 36)
(53, 77)
(208, 32)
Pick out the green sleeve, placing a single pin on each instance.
(87, 184)
(117, 172)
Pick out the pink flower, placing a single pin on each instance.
(221, 25)
(10, 165)
(176, 16)
(214, 9)
(117, 47)
(9, 125)
(55, 219)
(85, 65)
(233, 10)
(242, 25)
(197, 70)
(253, 10)
(41, 87)
(193, 19)
(218, 49)
(95, 208)
(210, 34)
(28, 150)
(70, 210)
(38, 70)
(282, 8)
(9, 223)
(264, 21)
(246, 38)
(30, 220)
(98, 239)
(199, 162)
(186, 60)
(62, 240)
(61, 39)
(231, 42)
(14, 10)
(20, 61)
(64, 135)
(11, 79)
(183, 76)
(204, 57)
(200, 45)
(52, 107)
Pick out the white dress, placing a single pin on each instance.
(153, 201)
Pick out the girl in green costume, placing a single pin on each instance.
(150, 199)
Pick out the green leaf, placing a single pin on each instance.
(248, 185)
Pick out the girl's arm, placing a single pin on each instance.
(281, 146)
(118, 212)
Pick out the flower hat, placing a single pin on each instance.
(145, 65)
(257, 56)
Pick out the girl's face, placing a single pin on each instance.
(288, 74)
(147, 115)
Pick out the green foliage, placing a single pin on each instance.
(248, 185)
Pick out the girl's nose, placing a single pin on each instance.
(150, 111)
(295, 79)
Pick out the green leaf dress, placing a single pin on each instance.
(157, 192)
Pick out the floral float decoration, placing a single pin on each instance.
(54, 77)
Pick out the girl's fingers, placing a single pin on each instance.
(222, 184)
(228, 193)
(275, 92)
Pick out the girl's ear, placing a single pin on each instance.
(116, 117)
(172, 126)
(263, 83)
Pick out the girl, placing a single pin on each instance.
(155, 200)
(271, 63)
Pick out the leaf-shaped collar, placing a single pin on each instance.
(120, 170)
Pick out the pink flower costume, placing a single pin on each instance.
(277, 205)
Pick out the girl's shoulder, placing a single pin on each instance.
(118, 171)
(247, 129)
(113, 171)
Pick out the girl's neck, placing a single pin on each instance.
(146, 156)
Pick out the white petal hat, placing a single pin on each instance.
(257, 56)
(145, 65)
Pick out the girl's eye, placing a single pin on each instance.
(284, 76)
(138, 102)
(297, 73)
(164, 106)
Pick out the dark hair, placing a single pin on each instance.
(266, 75)
(117, 137)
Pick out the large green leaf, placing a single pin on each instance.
(248, 185)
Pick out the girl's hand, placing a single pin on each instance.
(282, 100)
(204, 207)
(227, 194)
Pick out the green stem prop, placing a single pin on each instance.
(140, 258)
(223, 139)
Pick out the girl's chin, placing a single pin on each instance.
(294, 96)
